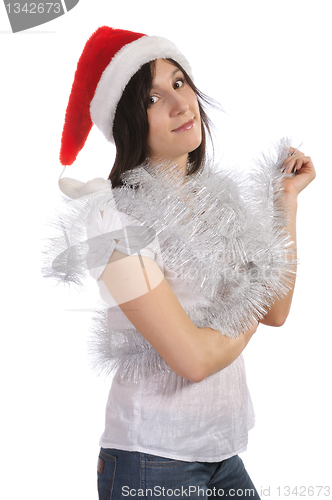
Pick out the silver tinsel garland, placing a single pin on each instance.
(223, 235)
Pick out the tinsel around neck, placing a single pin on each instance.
(222, 235)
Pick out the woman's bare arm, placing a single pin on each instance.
(279, 311)
(138, 286)
(305, 173)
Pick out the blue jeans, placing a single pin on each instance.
(135, 475)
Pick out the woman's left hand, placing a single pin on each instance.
(304, 170)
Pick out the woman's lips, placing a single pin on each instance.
(185, 126)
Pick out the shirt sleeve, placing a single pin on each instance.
(113, 230)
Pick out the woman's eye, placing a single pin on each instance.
(153, 99)
(178, 84)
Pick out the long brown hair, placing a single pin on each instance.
(131, 126)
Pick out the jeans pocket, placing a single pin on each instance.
(174, 479)
(105, 474)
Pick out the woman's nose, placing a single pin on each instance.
(179, 104)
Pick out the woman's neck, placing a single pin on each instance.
(178, 164)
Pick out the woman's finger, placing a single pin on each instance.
(294, 151)
(292, 160)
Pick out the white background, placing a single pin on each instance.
(269, 64)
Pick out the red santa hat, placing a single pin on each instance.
(108, 61)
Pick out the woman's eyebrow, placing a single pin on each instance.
(155, 85)
(175, 71)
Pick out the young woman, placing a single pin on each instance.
(188, 261)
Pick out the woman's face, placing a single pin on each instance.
(173, 115)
